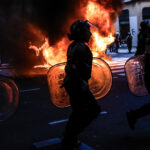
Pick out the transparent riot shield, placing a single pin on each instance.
(9, 98)
(100, 82)
(135, 75)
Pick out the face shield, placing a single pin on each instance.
(80, 31)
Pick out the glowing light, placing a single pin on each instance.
(101, 37)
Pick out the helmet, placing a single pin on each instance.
(144, 24)
(79, 30)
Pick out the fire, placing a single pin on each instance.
(100, 39)
(100, 17)
(57, 53)
(52, 54)
(100, 44)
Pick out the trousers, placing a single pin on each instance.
(84, 110)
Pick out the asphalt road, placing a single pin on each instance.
(37, 119)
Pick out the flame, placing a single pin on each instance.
(100, 43)
(99, 16)
(101, 38)
(57, 53)
(52, 54)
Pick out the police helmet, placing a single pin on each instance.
(78, 30)
(144, 24)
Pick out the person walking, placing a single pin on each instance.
(129, 41)
(78, 71)
(134, 115)
(142, 38)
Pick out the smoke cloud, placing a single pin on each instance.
(22, 21)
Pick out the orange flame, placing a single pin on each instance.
(101, 17)
(96, 14)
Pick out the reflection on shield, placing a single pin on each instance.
(100, 82)
(9, 98)
(135, 74)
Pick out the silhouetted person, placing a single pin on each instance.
(0, 56)
(0, 61)
(142, 38)
(134, 115)
(78, 72)
(111, 47)
(116, 42)
(129, 42)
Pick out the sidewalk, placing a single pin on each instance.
(122, 56)
(122, 53)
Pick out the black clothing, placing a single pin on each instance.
(143, 48)
(129, 43)
(79, 55)
(78, 69)
(145, 109)
(79, 120)
(147, 71)
(83, 103)
(141, 43)
(116, 43)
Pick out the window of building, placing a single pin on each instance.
(124, 23)
(146, 13)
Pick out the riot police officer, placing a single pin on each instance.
(142, 38)
(78, 72)
(143, 48)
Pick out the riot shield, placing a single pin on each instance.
(100, 82)
(9, 98)
(135, 75)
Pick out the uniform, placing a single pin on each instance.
(84, 107)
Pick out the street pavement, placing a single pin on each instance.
(37, 119)
(118, 61)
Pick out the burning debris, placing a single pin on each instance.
(34, 32)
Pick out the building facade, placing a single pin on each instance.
(133, 13)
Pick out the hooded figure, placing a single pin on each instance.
(78, 72)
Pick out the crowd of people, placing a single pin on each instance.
(113, 47)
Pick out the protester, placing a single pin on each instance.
(78, 72)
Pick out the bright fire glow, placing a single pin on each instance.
(101, 38)
(99, 16)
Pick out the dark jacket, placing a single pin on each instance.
(79, 62)
(141, 43)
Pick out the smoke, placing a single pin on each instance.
(22, 21)
(115, 7)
